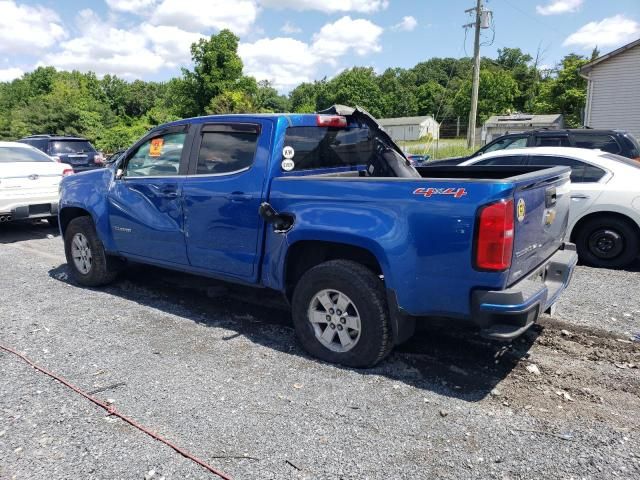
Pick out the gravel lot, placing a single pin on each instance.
(220, 374)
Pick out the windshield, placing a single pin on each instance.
(71, 146)
(22, 154)
(353, 148)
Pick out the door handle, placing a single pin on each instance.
(579, 196)
(239, 197)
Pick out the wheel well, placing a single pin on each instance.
(604, 216)
(305, 255)
(69, 213)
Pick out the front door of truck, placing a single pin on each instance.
(145, 200)
(222, 195)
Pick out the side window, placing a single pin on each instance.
(157, 157)
(606, 143)
(505, 160)
(504, 143)
(551, 141)
(580, 172)
(226, 149)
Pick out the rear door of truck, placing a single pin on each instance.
(541, 208)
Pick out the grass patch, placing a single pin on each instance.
(444, 148)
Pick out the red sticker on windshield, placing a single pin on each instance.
(429, 192)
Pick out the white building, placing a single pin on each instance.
(411, 128)
(613, 92)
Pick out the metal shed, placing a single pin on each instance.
(499, 125)
(411, 128)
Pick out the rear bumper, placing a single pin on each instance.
(506, 314)
(34, 207)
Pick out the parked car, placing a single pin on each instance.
(612, 141)
(29, 182)
(417, 160)
(604, 221)
(325, 209)
(75, 151)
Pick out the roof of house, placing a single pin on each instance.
(585, 69)
(523, 119)
(385, 122)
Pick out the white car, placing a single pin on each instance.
(604, 220)
(29, 181)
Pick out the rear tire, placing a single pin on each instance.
(607, 243)
(359, 336)
(88, 263)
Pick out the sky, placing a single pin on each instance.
(292, 41)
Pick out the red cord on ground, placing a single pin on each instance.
(112, 411)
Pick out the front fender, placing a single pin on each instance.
(88, 191)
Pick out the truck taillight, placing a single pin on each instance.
(331, 121)
(67, 171)
(494, 239)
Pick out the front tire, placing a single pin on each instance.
(607, 243)
(340, 314)
(88, 263)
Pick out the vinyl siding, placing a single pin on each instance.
(614, 93)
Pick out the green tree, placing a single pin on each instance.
(497, 94)
(565, 92)
(355, 86)
(217, 68)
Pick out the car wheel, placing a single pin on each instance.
(88, 263)
(340, 314)
(607, 243)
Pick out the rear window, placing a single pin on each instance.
(326, 147)
(506, 143)
(619, 158)
(552, 141)
(606, 143)
(70, 146)
(226, 151)
(22, 154)
(581, 172)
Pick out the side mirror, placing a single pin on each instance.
(119, 174)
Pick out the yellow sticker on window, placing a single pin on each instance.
(155, 150)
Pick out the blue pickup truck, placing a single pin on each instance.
(326, 209)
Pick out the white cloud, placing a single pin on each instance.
(103, 48)
(289, 28)
(171, 43)
(337, 38)
(407, 24)
(24, 29)
(329, 6)
(286, 62)
(611, 31)
(130, 6)
(8, 74)
(194, 15)
(556, 7)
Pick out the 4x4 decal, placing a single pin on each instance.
(429, 192)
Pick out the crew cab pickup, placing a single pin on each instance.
(326, 209)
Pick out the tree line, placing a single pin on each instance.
(113, 112)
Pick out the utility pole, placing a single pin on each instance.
(471, 134)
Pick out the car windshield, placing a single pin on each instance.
(71, 146)
(22, 154)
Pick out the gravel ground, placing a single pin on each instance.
(221, 376)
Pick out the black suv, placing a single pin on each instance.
(74, 151)
(612, 141)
